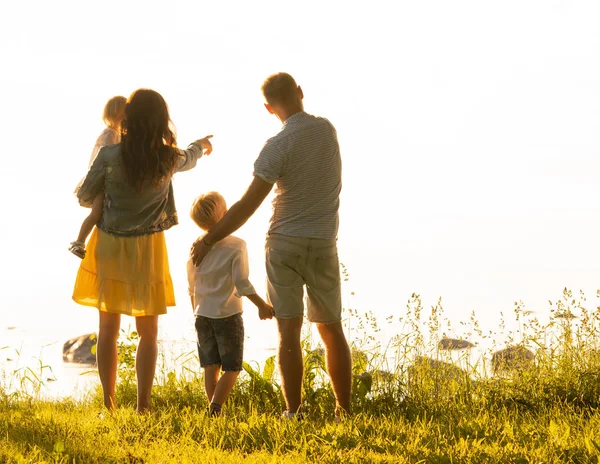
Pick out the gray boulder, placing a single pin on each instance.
(435, 377)
(81, 349)
(511, 358)
(454, 344)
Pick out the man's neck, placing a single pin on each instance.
(284, 114)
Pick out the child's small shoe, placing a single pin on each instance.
(78, 249)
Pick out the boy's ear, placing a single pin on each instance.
(300, 93)
(269, 109)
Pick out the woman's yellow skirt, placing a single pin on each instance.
(125, 275)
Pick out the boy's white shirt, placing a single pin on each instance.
(219, 283)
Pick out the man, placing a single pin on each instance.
(303, 159)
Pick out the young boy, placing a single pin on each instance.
(216, 288)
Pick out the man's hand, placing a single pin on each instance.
(198, 251)
(205, 144)
(237, 216)
(265, 311)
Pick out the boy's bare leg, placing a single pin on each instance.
(290, 361)
(145, 360)
(339, 362)
(211, 377)
(224, 386)
(106, 355)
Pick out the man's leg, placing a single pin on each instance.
(339, 362)
(285, 261)
(290, 361)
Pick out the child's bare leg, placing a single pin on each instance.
(224, 386)
(211, 377)
(92, 219)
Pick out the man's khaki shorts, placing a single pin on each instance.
(292, 263)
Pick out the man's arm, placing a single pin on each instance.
(235, 218)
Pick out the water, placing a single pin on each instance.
(31, 358)
(36, 354)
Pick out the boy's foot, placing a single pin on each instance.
(78, 249)
(287, 415)
(214, 410)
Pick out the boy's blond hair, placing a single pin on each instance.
(208, 209)
(114, 111)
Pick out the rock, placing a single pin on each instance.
(436, 368)
(81, 349)
(363, 383)
(454, 344)
(565, 315)
(439, 378)
(511, 358)
(380, 375)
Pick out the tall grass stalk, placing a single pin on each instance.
(412, 401)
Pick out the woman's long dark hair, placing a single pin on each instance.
(149, 151)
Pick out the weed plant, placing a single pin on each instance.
(537, 402)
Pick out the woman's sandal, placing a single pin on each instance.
(78, 249)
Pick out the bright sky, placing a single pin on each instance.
(469, 133)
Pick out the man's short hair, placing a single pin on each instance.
(280, 89)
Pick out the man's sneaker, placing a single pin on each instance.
(287, 415)
(78, 249)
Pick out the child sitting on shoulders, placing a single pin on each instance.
(216, 288)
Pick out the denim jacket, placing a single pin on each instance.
(128, 212)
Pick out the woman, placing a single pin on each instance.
(126, 268)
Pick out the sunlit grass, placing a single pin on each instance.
(411, 403)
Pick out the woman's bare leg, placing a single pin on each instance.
(106, 355)
(145, 360)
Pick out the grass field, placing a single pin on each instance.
(426, 409)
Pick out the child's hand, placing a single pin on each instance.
(265, 311)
